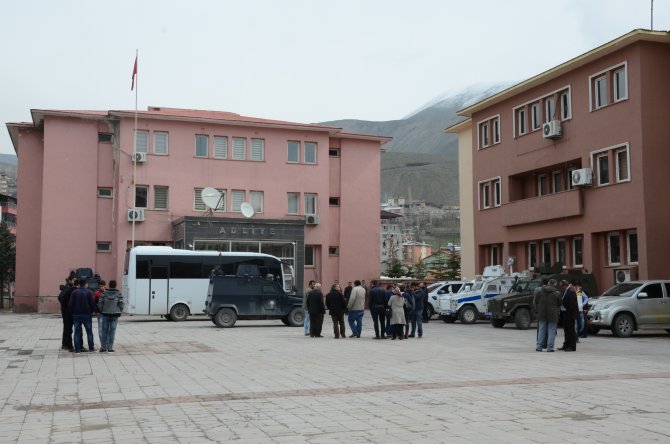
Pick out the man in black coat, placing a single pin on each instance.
(64, 299)
(569, 302)
(378, 309)
(316, 309)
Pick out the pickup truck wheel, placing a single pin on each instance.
(179, 313)
(296, 317)
(593, 330)
(498, 323)
(468, 315)
(522, 319)
(623, 325)
(225, 317)
(448, 319)
(430, 310)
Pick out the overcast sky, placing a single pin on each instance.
(304, 61)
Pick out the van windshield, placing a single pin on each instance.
(623, 290)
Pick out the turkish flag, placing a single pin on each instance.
(132, 85)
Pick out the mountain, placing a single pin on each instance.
(9, 159)
(422, 157)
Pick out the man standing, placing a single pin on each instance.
(82, 308)
(316, 309)
(64, 299)
(356, 305)
(569, 316)
(547, 302)
(305, 316)
(96, 297)
(417, 316)
(426, 313)
(378, 309)
(347, 292)
(110, 305)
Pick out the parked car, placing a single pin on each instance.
(437, 289)
(631, 306)
(517, 306)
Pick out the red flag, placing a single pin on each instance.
(132, 85)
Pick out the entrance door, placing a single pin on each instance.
(158, 291)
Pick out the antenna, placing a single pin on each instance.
(652, 15)
(211, 197)
(247, 210)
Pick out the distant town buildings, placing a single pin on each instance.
(8, 211)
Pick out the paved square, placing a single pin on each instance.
(263, 382)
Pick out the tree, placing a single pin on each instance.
(395, 269)
(419, 270)
(7, 259)
(453, 267)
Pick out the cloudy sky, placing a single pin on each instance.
(299, 60)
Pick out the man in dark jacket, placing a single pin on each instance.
(110, 305)
(417, 316)
(569, 301)
(377, 303)
(336, 304)
(316, 309)
(82, 308)
(547, 302)
(64, 299)
(426, 313)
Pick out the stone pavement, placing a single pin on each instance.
(263, 382)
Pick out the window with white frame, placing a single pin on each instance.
(239, 148)
(631, 238)
(199, 204)
(310, 152)
(293, 206)
(103, 247)
(496, 130)
(106, 192)
(161, 142)
(561, 252)
(542, 185)
(603, 168)
(141, 196)
(201, 145)
(236, 200)
(497, 193)
(600, 92)
(490, 193)
(566, 105)
(488, 131)
(532, 254)
(546, 251)
(160, 197)
(614, 248)
(622, 165)
(521, 121)
(484, 134)
(310, 256)
(257, 149)
(620, 85)
(334, 152)
(577, 251)
(486, 195)
(549, 109)
(599, 86)
(293, 155)
(556, 182)
(256, 200)
(535, 116)
(310, 203)
(220, 147)
(142, 141)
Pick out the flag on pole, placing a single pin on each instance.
(132, 85)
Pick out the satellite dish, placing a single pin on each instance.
(211, 197)
(247, 209)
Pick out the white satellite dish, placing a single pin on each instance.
(247, 209)
(211, 197)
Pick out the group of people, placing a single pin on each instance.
(393, 309)
(78, 305)
(565, 302)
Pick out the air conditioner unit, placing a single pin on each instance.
(136, 214)
(140, 157)
(582, 177)
(626, 274)
(551, 130)
(311, 219)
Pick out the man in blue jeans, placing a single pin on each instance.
(310, 287)
(417, 315)
(110, 305)
(82, 308)
(356, 305)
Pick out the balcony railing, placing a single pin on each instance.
(543, 208)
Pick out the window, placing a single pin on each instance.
(160, 142)
(334, 201)
(310, 203)
(257, 149)
(160, 198)
(495, 254)
(614, 248)
(496, 130)
(542, 185)
(103, 247)
(293, 203)
(556, 182)
(497, 198)
(488, 131)
(333, 251)
(256, 200)
(239, 148)
(654, 291)
(486, 195)
(546, 252)
(532, 254)
(310, 255)
(220, 147)
(620, 85)
(600, 92)
(141, 196)
(484, 134)
(293, 152)
(535, 116)
(334, 152)
(142, 141)
(236, 199)
(105, 137)
(550, 109)
(310, 152)
(622, 168)
(603, 168)
(199, 204)
(105, 192)
(577, 251)
(201, 145)
(566, 108)
(521, 120)
(490, 193)
(560, 252)
(632, 246)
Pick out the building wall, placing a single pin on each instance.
(466, 196)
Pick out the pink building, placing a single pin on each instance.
(315, 191)
(570, 166)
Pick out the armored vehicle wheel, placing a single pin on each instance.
(522, 319)
(497, 323)
(296, 317)
(468, 314)
(623, 325)
(284, 319)
(179, 313)
(448, 319)
(225, 317)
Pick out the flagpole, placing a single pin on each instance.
(135, 81)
